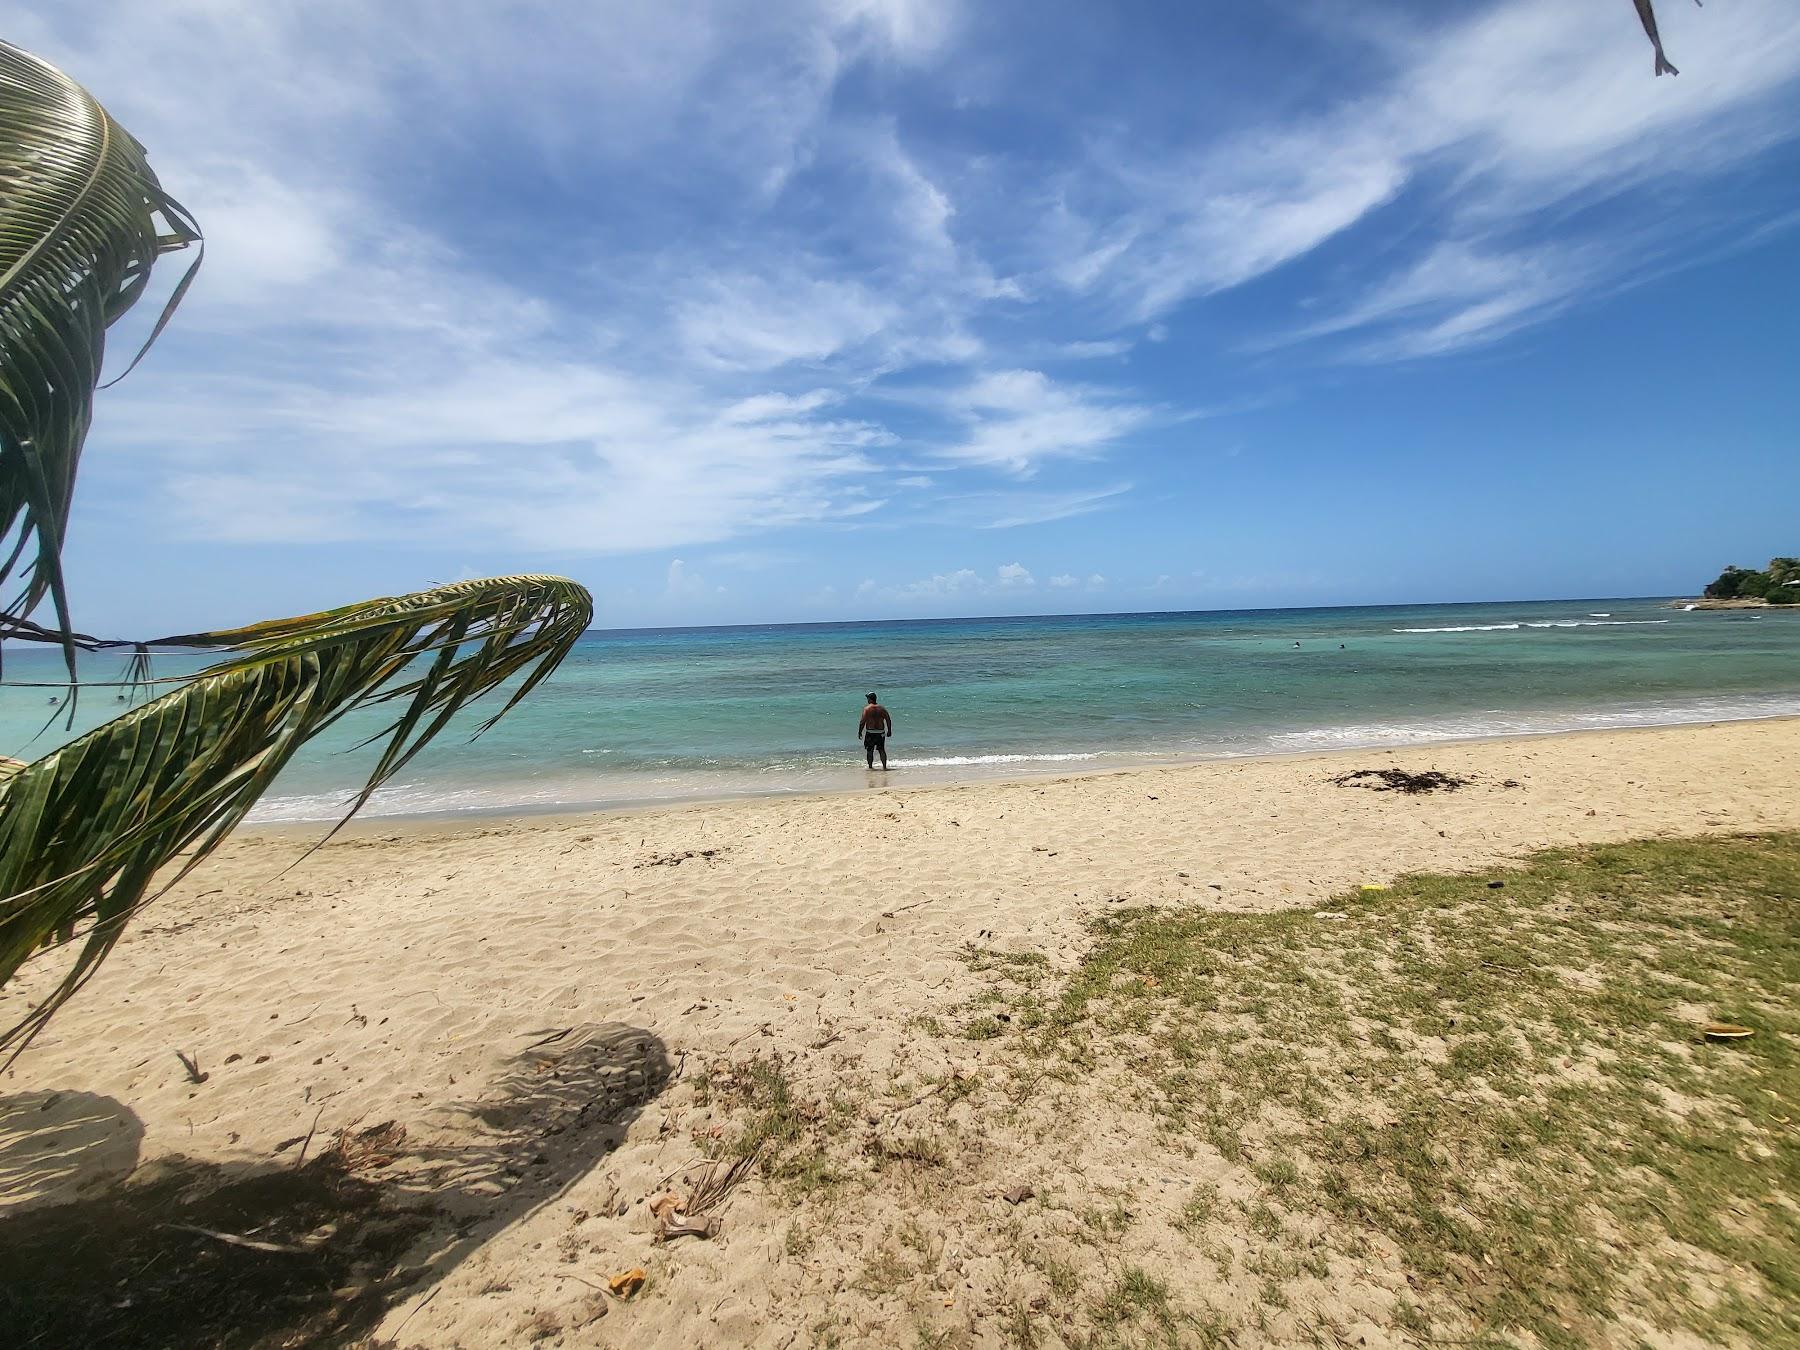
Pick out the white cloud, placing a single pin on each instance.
(1016, 419)
(772, 407)
(1486, 121)
(393, 386)
(967, 589)
(620, 278)
(1013, 577)
(1014, 506)
(1093, 350)
(964, 582)
(1462, 292)
(761, 323)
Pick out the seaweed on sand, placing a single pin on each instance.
(1402, 780)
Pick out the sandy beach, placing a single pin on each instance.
(455, 978)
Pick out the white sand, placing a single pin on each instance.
(398, 973)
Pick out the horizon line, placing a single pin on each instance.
(1114, 614)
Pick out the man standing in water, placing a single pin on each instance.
(874, 728)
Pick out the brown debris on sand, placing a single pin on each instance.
(1402, 780)
(676, 859)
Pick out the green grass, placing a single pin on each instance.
(788, 1133)
(982, 1029)
(1507, 1083)
(1026, 967)
(1137, 1309)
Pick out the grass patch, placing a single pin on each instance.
(982, 1029)
(1026, 967)
(1137, 1302)
(1507, 1082)
(786, 1132)
(882, 1274)
(1199, 1210)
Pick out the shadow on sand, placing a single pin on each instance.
(54, 1144)
(188, 1253)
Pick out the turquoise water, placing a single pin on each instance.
(686, 713)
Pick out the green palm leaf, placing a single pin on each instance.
(85, 830)
(82, 220)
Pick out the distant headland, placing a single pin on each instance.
(1742, 588)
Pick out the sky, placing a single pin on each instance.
(808, 310)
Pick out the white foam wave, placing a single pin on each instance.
(1543, 623)
(1367, 735)
(409, 799)
(941, 761)
(1594, 623)
(1462, 629)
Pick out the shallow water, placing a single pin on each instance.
(688, 713)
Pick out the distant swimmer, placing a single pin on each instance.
(873, 729)
(1296, 644)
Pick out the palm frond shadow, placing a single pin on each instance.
(55, 1144)
(187, 1253)
(554, 1111)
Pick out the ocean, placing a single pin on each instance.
(674, 714)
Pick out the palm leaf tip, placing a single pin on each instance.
(85, 830)
(82, 222)
(1647, 17)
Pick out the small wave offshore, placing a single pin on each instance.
(1428, 731)
(1545, 623)
(954, 761)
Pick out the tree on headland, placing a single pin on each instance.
(88, 831)
(1779, 583)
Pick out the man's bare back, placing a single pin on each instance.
(873, 729)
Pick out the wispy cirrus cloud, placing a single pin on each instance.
(1484, 122)
(1017, 419)
(396, 384)
(1014, 507)
(617, 279)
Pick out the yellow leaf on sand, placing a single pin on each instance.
(624, 1286)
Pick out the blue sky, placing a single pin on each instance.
(805, 310)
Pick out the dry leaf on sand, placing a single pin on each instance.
(1726, 1031)
(627, 1284)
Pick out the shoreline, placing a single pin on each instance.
(454, 821)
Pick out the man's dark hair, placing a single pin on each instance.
(872, 698)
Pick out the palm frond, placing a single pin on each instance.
(82, 221)
(85, 830)
(1647, 17)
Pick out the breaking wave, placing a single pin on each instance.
(1546, 623)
